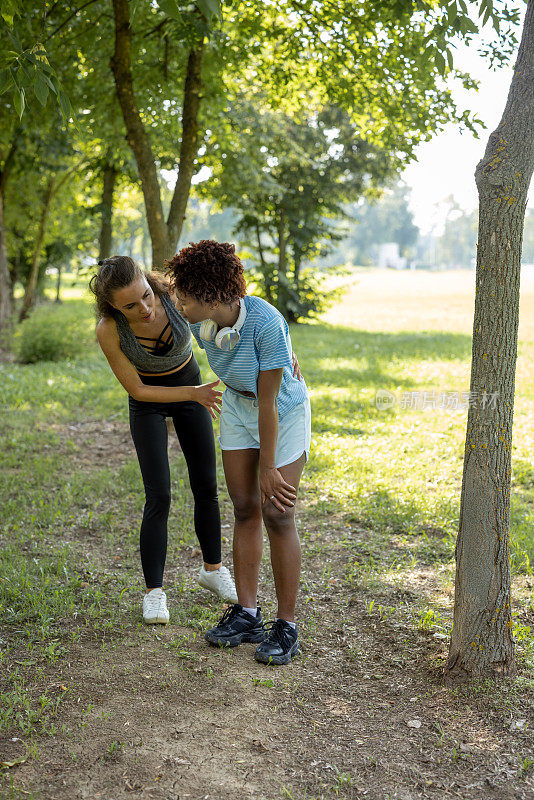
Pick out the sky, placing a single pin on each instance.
(446, 164)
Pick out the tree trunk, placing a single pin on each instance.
(297, 261)
(481, 643)
(136, 135)
(14, 269)
(58, 283)
(105, 238)
(6, 287)
(282, 249)
(282, 298)
(6, 293)
(189, 146)
(29, 295)
(145, 245)
(266, 271)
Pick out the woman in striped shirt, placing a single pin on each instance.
(265, 435)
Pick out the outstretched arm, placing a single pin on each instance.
(129, 379)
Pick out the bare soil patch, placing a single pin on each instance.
(101, 442)
(361, 714)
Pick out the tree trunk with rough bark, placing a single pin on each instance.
(164, 235)
(189, 146)
(29, 295)
(482, 643)
(106, 230)
(136, 134)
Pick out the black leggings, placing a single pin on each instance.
(192, 423)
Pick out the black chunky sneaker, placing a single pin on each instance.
(237, 625)
(280, 645)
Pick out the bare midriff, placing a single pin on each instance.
(169, 371)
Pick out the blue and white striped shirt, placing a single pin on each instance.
(265, 344)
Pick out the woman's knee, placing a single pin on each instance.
(246, 507)
(205, 491)
(277, 521)
(158, 500)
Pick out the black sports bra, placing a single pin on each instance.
(163, 343)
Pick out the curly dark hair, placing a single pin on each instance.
(209, 271)
(116, 272)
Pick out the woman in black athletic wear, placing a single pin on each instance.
(148, 346)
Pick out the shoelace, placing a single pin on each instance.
(230, 613)
(277, 632)
(155, 602)
(227, 582)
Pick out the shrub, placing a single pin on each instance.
(54, 333)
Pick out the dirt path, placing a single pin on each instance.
(156, 713)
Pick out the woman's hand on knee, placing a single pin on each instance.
(276, 490)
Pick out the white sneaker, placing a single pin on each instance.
(220, 582)
(155, 607)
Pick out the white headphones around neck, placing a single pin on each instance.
(226, 338)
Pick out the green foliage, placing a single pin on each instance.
(27, 68)
(176, 11)
(46, 154)
(288, 177)
(8, 11)
(380, 63)
(51, 333)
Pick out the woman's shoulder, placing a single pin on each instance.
(263, 312)
(106, 331)
(259, 305)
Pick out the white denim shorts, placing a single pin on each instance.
(239, 428)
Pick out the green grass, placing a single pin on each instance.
(395, 474)
(397, 470)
